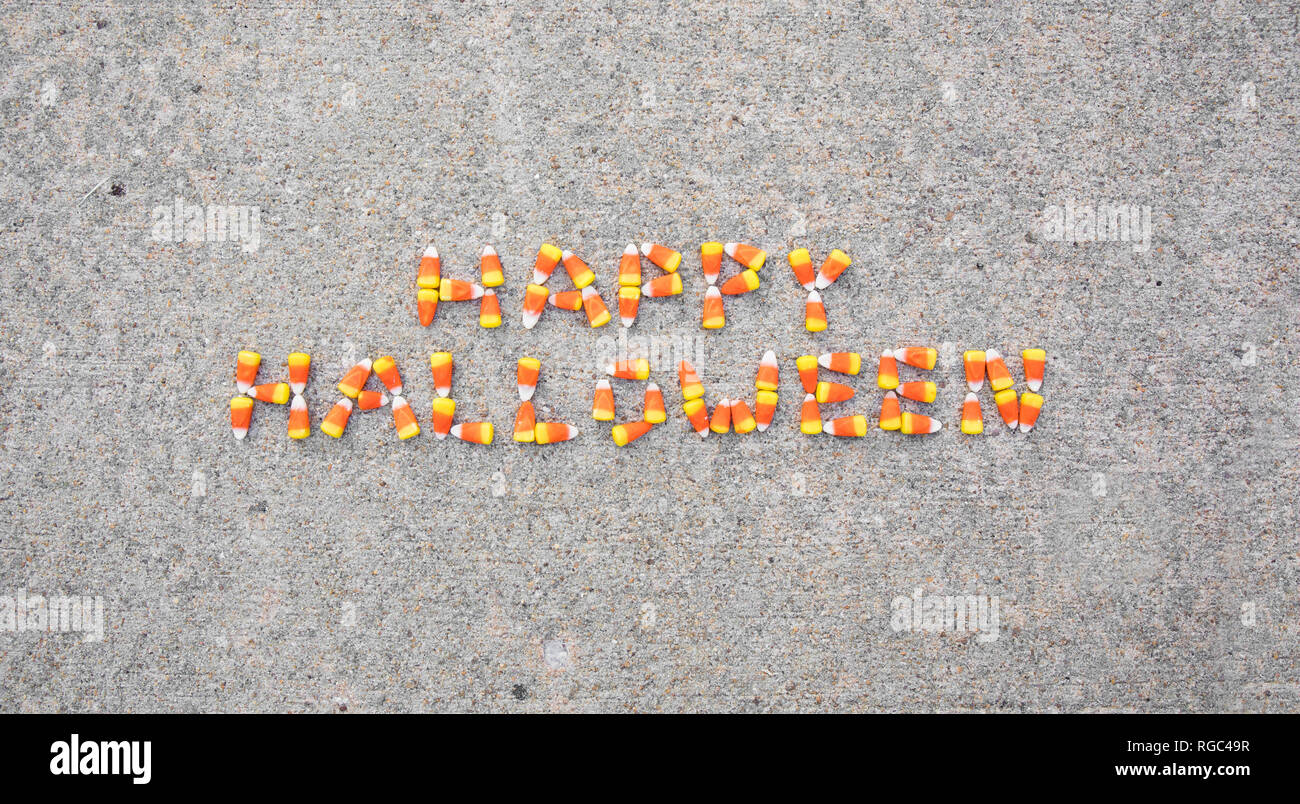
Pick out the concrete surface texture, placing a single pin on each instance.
(1140, 544)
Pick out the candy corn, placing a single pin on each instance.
(972, 417)
(597, 312)
(473, 432)
(578, 270)
(386, 370)
(489, 310)
(916, 424)
(891, 413)
(548, 257)
(553, 432)
(801, 264)
(489, 267)
(1008, 406)
(602, 407)
(854, 426)
(570, 300)
(629, 298)
(241, 414)
(689, 380)
(919, 391)
(1030, 405)
(629, 267)
(697, 414)
(743, 282)
(1035, 362)
(355, 379)
(832, 268)
(526, 372)
(337, 419)
(887, 373)
(654, 405)
(807, 366)
(920, 356)
(458, 290)
(742, 420)
(973, 361)
(274, 392)
(638, 369)
(299, 368)
(371, 400)
(720, 422)
(714, 316)
(299, 419)
(426, 305)
(831, 392)
(441, 364)
(430, 274)
(841, 362)
(534, 303)
(246, 365)
(749, 256)
(814, 313)
(404, 419)
(810, 416)
(666, 285)
(711, 261)
(999, 377)
(624, 434)
(662, 256)
(443, 411)
(764, 409)
(768, 372)
(525, 422)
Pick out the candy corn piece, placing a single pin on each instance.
(299, 368)
(489, 310)
(973, 361)
(764, 409)
(887, 373)
(299, 419)
(458, 290)
(386, 370)
(742, 420)
(920, 356)
(638, 369)
(426, 305)
(443, 411)
(441, 364)
(807, 366)
(662, 256)
(274, 392)
(720, 422)
(814, 313)
(1035, 363)
(526, 372)
(489, 268)
(337, 419)
(246, 365)
(996, 367)
(553, 432)
(689, 380)
(711, 261)
(743, 282)
(714, 316)
(810, 416)
(832, 268)
(749, 256)
(854, 426)
(801, 264)
(525, 422)
(768, 372)
(404, 419)
(430, 274)
(570, 300)
(371, 400)
(578, 270)
(831, 392)
(1008, 406)
(629, 298)
(602, 406)
(534, 303)
(972, 417)
(241, 414)
(624, 434)
(916, 424)
(597, 313)
(891, 413)
(666, 285)
(654, 405)
(919, 391)
(629, 267)
(548, 257)
(1030, 405)
(473, 432)
(697, 413)
(841, 362)
(355, 380)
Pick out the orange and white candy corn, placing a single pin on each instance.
(714, 316)
(430, 273)
(548, 257)
(299, 418)
(624, 434)
(922, 357)
(916, 424)
(579, 272)
(769, 372)
(832, 268)
(764, 409)
(654, 405)
(743, 282)
(662, 256)
(629, 267)
(807, 366)
(801, 264)
(525, 422)
(1035, 363)
(887, 373)
(711, 261)
(597, 313)
(841, 362)
(697, 413)
(277, 393)
(751, 257)
(919, 391)
(852, 426)
(973, 361)
(972, 417)
(720, 422)
(489, 266)
(553, 432)
(1030, 406)
(814, 312)
(832, 392)
(385, 369)
(426, 305)
(999, 377)
(355, 379)
(489, 310)
(1008, 407)
(371, 400)
(891, 412)
(473, 432)
(742, 420)
(570, 300)
(666, 285)
(404, 419)
(636, 369)
(526, 371)
(241, 415)
(629, 298)
(336, 421)
(299, 368)
(602, 406)
(458, 290)
(246, 365)
(689, 380)
(443, 411)
(534, 303)
(440, 364)
(810, 416)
